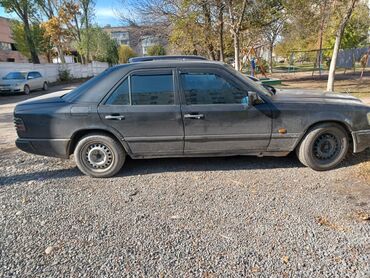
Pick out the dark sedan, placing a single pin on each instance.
(188, 108)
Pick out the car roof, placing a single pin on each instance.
(166, 57)
(170, 63)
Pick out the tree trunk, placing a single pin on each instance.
(338, 38)
(237, 50)
(61, 54)
(221, 7)
(30, 42)
(271, 50)
(208, 29)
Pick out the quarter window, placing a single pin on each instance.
(120, 96)
(152, 89)
(210, 88)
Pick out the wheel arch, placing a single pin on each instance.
(83, 132)
(344, 125)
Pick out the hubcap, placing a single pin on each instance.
(326, 147)
(98, 156)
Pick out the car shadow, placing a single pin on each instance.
(39, 176)
(135, 167)
(138, 167)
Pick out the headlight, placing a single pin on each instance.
(368, 118)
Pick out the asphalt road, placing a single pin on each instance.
(201, 217)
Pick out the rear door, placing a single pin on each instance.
(145, 109)
(217, 117)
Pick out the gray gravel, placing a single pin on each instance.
(204, 217)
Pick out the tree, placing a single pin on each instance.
(125, 53)
(25, 10)
(42, 43)
(346, 13)
(87, 7)
(156, 50)
(102, 47)
(191, 24)
(80, 15)
(59, 27)
(356, 32)
(236, 16)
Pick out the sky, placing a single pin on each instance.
(104, 12)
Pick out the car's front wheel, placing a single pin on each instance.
(26, 90)
(99, 155)
(324, 147)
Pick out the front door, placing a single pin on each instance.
(145, 109)
(217, 117)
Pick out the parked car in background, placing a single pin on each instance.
(188, 109)
(23, 82)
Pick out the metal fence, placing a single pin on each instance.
(348, 57)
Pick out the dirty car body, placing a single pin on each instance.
(185, 109)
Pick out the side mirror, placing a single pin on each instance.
(29, 77)
(270, 88)
(252, 97)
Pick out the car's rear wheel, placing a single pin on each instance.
(26, 90)
(45, 86)
(99, 155)
(323, 147)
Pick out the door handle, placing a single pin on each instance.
(194, 116)
(115, 117)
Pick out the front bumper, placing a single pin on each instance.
(361, 140)
(9, 90)
(47, 147)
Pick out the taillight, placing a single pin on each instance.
(19, 124)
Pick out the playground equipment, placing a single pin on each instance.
(253, 53)
(316, 54)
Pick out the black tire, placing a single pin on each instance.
(323, 147)
(26, 90)
(45, 86)
(99, 156)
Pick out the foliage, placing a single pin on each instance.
(58, 27)
(42, 43)
(125, 53)
(356, 33)
(156, 50)
(101, 47)
(64, 74)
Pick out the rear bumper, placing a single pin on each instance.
(46, 147)
(361, 140)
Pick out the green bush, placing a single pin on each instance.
(156, 50)
(64, 74)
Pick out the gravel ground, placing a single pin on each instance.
(203, 217)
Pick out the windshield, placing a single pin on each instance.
(257, 86)
(15, 75)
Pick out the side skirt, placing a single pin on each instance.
(258, 154)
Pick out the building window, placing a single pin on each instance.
(5, 46)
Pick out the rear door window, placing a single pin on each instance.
(152, 89)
